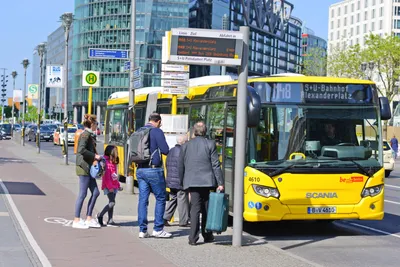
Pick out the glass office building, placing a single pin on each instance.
(106, 25)
(268, 54)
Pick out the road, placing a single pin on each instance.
(342, 243)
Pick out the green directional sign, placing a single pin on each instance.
(91, 78)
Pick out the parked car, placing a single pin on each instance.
(388, 159)
(17, 127)
(5, 130)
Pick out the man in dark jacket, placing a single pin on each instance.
(178, 196)
(151, 176)
(200, 172)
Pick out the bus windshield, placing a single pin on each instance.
(322, 133)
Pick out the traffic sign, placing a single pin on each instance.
(33, 90)
(137, 73)
(175, 67)
(174, 75)
(168, 83)
(137, 84)
(127, 65)
(108, 53)
(91, 78)
(179, 90)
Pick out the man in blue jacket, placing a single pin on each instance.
(151, 176)
(178, 197)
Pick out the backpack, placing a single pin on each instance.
(139, 146)
(97, 171)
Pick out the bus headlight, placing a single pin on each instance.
(266, 191)
(372, 191)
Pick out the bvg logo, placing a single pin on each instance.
(353, 179)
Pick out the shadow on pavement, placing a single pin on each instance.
(22, 188)
(4, 160)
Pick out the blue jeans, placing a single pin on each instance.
(85, 183)
(153, 179)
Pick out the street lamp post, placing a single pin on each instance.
(66, 19)
(3, 92)
(25, 63)
(365, 67)
(41, 50)
(14, 75)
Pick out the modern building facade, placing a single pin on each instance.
(279, 52)
(351, 20)
(106, 25)
(309, 42)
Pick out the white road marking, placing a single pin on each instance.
(42, 257)
(393, 202)
(4, 214)
(392, 186)
(374, 229)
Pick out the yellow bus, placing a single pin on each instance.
(313, 149)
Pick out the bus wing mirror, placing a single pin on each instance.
(253, 107)
(386, 114)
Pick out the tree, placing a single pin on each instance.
(383, 51)
(31, 114)
(314, 62)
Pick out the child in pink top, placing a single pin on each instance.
(110, 184)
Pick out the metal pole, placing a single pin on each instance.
(25, 63)
(67, 19)
(240, 143)
(131, 111)
(225, 26)
(39, 109)
(14, 75)
(90, 99)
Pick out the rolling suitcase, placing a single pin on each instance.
(218, 211)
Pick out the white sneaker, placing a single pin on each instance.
(161, 234)
(144, 235)
(80, 225)
(92, 224)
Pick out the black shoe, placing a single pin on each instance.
(111, 223)
(184, 225)
(192, 243)
(100, 220)
(166, 223)
(209, 239)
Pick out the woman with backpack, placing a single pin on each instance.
(85, 156)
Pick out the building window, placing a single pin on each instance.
(366, 3)
(331, 36)
(366, 15)
(356, 40)
(338, 23)
(345, 22)
(365, 28)
(352, 7)
(337, 35)
(358, 5)
(344, 33)
(380, 24)
(338, 13)
(381, 12)
(396, 24)
(358, 30)
(345, 10)
(352, 19)
(358, 17)
(373, 2)
(351, 31)
(331, 25)
(332, 13)
(373, 26)
(373, 13)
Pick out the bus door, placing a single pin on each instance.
(220, 121)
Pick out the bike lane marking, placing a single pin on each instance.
(40, 254)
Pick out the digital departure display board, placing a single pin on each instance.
(206, 47)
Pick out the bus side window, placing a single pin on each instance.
(138, 118)
(116, 125)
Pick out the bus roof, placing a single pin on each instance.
(199, 86)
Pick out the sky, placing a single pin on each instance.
(26, 23)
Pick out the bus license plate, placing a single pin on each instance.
(321, 210)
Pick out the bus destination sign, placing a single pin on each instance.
(206, 47)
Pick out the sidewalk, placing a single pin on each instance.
(48, 208)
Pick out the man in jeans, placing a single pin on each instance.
(151, 176)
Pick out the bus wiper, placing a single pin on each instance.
(359, 166)
(282, 170)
